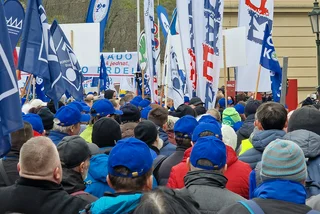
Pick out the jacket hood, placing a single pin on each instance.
(231, 156)
(99, 167)
(205, 178)
(308, 141)
(72, 181)
(247, 127)
(262, 139)
(116, 204)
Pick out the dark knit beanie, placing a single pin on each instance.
(307, 118)
(251, 107)
(106, 132)
(131, 113)
(146, 131)
(47, 118)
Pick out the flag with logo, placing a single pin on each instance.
(104, 78)
(151, 48)
(10, 116)
(40, 90)
(254, 15)
(185, 17)
(69, 64)
(37, 53)
(164, 20)
(98, 12)
(269, 61)
(207, 21)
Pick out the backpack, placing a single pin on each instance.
(254, 208)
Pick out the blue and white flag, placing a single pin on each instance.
(15, 18)
(70, 68)
(269, 61)
(37, 53)
(173, 25)
(104, 77)
(10, 116)
(164, 20)
(40, 90)
(98, 13)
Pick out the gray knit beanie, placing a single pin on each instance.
(283, 159)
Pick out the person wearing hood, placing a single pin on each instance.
(159, 116)
(271, 119)
(247, 127)
(129, 119)
(304, 130)
(205, 181)
(106, 132)
(74, 153)
(129, 174)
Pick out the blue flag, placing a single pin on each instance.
(104, 78)
(40, 90)
(270, 61)
(10, 116)
(70, 68)
(164, 20)
(37, 53)
(173, 25)
(98, 12)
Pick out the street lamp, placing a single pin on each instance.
(315, 24)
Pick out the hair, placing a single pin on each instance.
(241, 97)
(38, 158)
(215, 113)
(206, 163)
(114, 103)
(159, 116)
(206, 133)
(128, 97)
(122, 102)
(272, 115)
(108, 94)
(62, 129)
(19, 137)
(167, 201)
(129, 184)
(182, 139)
(219, 96)
(35, 110)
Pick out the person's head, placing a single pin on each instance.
(67, 120)
(52, 108)
(89, 100)
(130, 166)
(147, 132)
(240, 109)
(115, 103)
(283, 159)
(75, 154)
(209, 153)
(271, 115)
(241, 97)
(145, 112)
(230, 117)
(144, 103)
(39, 160)
(170, 102)
(36, 105)
(200, 110)
(47, 119)
(131, 113)
(215, 113)
(103, 108)
(158, 116)
(183, 130)
(184, 110)
(229, 136)
(110, 94)
(207, 129)
(128, 97)
(251, 107)
(207, 118)
(307, 118)
(106, 132)
(136, 100)
(36, 122)
(170, 126)
(222, 103)
(19, 137)
(195, 101)
(166, 201)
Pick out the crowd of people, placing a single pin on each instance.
(127, 155)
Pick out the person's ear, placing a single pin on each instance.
(192, 144)
(188, 164)
(224, 169)
(286, 125)
(18, 167)
(81, 167)
(165, 127)
(44, 133)
(109, 182)
(149, 183)
(57, 175)
(258, 125)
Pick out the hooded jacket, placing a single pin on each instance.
(237, 173)
(73, 183)
(309, 142)
(56, 136)
(208, 189)
(260, 141)
(246, 129)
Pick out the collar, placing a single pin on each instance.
(205, 178)
(283, 190)
(47, 185)
(72, 181)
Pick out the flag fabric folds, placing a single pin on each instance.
(37, 53)
(10, 118)
(98, 12)
(269, 61)
(104, 78)
(69, 65)
(164, 20)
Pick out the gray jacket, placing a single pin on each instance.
(209, 190)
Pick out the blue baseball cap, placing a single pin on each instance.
(104, 108)
(208, 119)
(186, 125)
(239, 108)
(136, 100)
(145, 112)
(82, 107)
(204, 127)
(222, 102)
(144, 103)
(68, 115)
(209, 148)
(35, 121)
(133, 154)
(186, 99)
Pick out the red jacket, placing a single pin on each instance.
(237, 173)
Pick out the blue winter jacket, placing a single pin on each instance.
(260, 141)
(56, 136)
(168, 148)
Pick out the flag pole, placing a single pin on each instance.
(225, 70)
(34, 88)
(138, 25)
(72, 42)
(142, 79)
(258, 81)
(31, 78)
(168, 69)
(25, 86)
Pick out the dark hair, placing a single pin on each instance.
(167, 201)
(182, 139)
(51, 107)
(159, 116)
(135, 184)
(272, 115)
(19, 137)
(35, 110)
(206, 133)
(241, 97)
(108, 94)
